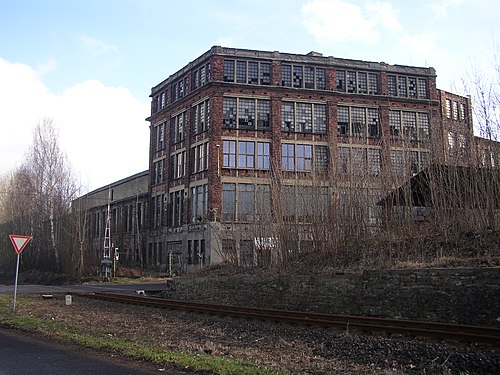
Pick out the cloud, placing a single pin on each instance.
(101, 129)
(341, 21)
(97, 47)
(46, 67)
(421, 47)
(383, 13)
(440, 8)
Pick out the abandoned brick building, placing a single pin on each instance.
(243, 141)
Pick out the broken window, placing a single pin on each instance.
(362, 83)
(402, 89)
(297, 78)
(340, 80)
(263, 114)
(228, 70)
(253, 73)
(303, 117)
(288, 116)
(320, 79)
(409, 126)
(373, 123)
(265, 73)
(393, 86)
(395, 124)
(321, 158)
(230, 110)
(304, 158)
(423, 126)
(412, 87)
(343, 120)
(286, 75)
(309, 77)
(358, 122)
(351, 82)
(246, 113)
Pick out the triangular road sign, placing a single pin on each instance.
(19, 242)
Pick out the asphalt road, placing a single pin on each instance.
(25, 355)
(104, 287)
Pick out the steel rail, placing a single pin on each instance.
(468, 333)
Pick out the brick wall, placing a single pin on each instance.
(465, 296)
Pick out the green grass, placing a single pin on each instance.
(128, 348)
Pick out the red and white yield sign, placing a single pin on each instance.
(19, 242)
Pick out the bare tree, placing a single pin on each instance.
(37, 198)
(483, 85)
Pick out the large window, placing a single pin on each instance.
(359, 161)
(158, 168)
(404, 162)
(304, 157)
(355, 82)
(199, 203)
(201, 117)
(358, 122)
(303, 117)
(158, 210)
(243, 113)
(244, 154)
(201, 76)
(410, 126)
(178, 165)
(160, 136)
(300, 76)
(407, 87)
(176, 202)
(247, 72)
(246, 202)
(200, 157)
(304, 204)
(177, 129)
(180, 89)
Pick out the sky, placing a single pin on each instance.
(89, 65)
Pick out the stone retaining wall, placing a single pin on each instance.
(465, 296)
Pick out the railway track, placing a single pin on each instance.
(463, 333)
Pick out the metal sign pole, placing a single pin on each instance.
(15, 285)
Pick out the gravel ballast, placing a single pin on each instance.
(294, 349)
